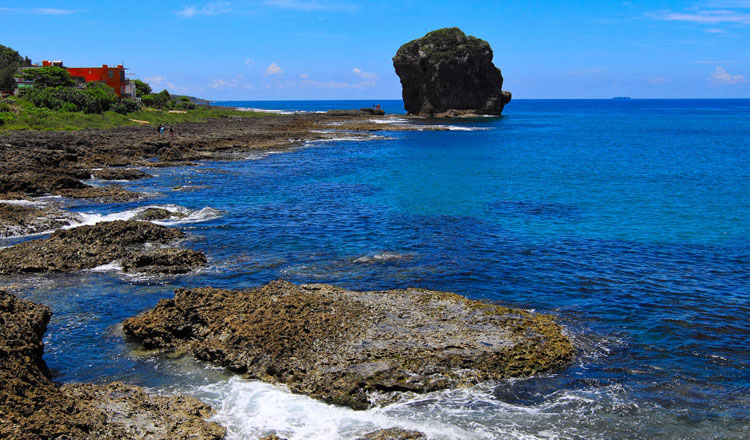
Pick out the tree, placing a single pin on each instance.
(141, 88)
(157, 100)
(49, 76)
(10, 61)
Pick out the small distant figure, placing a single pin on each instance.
(159, 130)
(171, 132)
(377, 107)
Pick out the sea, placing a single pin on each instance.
(628, 220)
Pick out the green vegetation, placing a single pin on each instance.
(10, 61)
(23, 115)
(49, 76)
(58, 102)
(141, 88)
(448, 44)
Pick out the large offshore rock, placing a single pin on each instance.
(33, 407)
(339, 345)
(446, 73)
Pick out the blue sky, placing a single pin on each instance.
(336, 49)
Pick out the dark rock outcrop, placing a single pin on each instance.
(338, 345)
(394, 434)
(158, 214)
(361, 112)
(84, 247)
(446, 73)
(121, 174)
(33, 407)
(165, 261)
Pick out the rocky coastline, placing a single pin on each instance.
(341, 346)
(333, 344)
(33, 407)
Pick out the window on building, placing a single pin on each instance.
(111, 74)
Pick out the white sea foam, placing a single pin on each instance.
(381, 257)
(389, 121)
(114, 266)
(265, 110)
(250, 409)
(190, 216)
(24, 202)
(455, 128)
(260, 155)
(36, 201)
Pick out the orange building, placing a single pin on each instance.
(112, 76)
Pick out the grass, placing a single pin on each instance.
(23, 116)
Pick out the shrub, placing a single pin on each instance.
(158, 100)
(125, 106)
(95, 98)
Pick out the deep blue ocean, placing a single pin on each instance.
(628, 220)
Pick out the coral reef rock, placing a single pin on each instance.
(445, 73)
(339, 345)
(33, 407)
(86, 247)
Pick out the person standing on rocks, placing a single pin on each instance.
(171, 132)
(159, 129)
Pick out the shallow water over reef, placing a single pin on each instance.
(629, 220)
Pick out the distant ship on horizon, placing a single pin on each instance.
(622, 98)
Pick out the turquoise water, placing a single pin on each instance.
(629, 220)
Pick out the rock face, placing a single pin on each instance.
(33, 407)
(446, 73)
(86, 247)
(338, 345)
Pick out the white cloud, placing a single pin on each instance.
(364, 75)
(40, 11)
(274, 69)
(249, 61)
(720, 75)
(154, 80)
(311, 5)
(304, 76)
(216, 8)
(656, 80)
(238, 81)
(712, 16)
(716, 31)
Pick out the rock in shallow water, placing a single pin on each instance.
(33, 407)
(18, 220)
(446, 73)
(84, 247)
(165, 261)
(339, 345)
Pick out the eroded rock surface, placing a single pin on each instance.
(84, 247)
(446, 73)
(164, 261)
(18, 220)
(158, 214)
(338, 345)
(121, 174)
(394, 434)
(33, 407)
